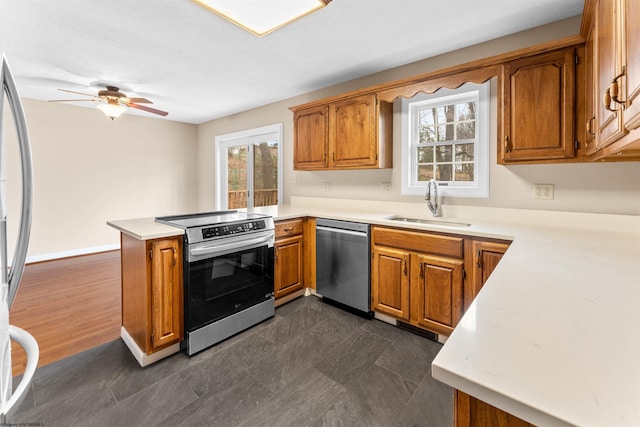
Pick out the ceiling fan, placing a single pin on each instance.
(113, 102)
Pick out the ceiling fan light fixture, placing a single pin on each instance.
(262, 17)
(112, 109)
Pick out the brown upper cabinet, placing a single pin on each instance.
(612, 31)
(537, 108)
(351, 133)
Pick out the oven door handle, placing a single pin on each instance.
(220, 249)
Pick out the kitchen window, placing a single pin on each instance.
(249, 165)
(446, 137)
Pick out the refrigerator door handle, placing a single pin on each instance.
(20, 253)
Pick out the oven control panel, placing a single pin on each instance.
(231, 229)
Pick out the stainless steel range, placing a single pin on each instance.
(228, 274)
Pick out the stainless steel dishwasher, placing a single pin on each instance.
(342, 263)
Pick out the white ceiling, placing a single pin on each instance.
(198, 66)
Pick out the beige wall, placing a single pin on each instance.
(600, 187)
(88, 170)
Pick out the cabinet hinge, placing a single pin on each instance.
(151, 338)
(576, 144)
(577, 59)
(150, 253)
(464, 273)
(376, 157)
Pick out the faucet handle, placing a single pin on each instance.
(433, 208)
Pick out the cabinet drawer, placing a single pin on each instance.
(420, 242)
(288, 228)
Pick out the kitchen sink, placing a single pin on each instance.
(443, 223)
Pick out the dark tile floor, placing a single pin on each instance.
(310, 365)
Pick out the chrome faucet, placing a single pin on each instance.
(432, 194)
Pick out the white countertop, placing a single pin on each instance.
(145, 228)
(554, 335)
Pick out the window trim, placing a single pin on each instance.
(480, 187)
(223, 142)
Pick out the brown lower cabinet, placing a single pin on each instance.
(471, 412)
(481, 258)
(429, 279)
(417, 277)
(288, 257)
(152, 289)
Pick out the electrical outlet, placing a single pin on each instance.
(328, 186)
(386, 187)
(543, 191)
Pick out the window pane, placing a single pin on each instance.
(444, 172)
(464, 172)
(427, 117)
(425, 172)
(442, 115)
(237, 176)
(265, 174)
(427, 134)
(425, 154)
(464, 152)
(444, 153)
(465, 111)
(466, 130)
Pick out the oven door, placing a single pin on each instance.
(225, 278)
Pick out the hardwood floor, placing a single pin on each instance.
(69, 305)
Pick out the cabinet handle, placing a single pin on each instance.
(611, 94)
(615, 89)
(175, 256)
(606, 100)
(590, 126)
(478, 259)
(404, 267)
(333, 156)
(507, 144)
(422, 270)
(324, 158)
(288, 229)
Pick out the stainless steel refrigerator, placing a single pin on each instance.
(10, 277)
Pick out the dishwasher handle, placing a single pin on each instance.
(341, 231)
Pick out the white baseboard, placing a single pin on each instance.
(71, 253)
(385, 318)
(143, 358)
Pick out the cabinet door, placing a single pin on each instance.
(538, 108)
(353, 132)
(166, 292)
(436, 292)
(608, 66)
(288, 266)
(631, 40)
(484, 258)
(310, 147)
(471, 412)
(390, 282)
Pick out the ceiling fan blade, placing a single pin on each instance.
(139, 100)
(72, 100)
(147, 109)
(77, 93)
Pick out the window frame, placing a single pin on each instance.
(247, 137)
(478, 188)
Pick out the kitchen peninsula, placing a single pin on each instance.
(554, 335)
